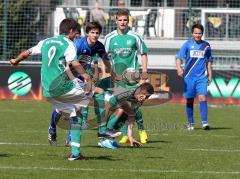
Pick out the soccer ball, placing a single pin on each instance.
(131, 75)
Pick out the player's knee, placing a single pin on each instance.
(202, 98)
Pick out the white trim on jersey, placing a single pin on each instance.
(70, 52)
(108, 39)
(138, 39)
(36, 49)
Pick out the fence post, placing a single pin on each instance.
(5, 22)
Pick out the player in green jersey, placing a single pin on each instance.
(122, 105)
(123, 45)
(56, 54)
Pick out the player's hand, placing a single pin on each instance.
(180, 72)
(13, 62)
(88, 87)
(144, 75)
(135, 143)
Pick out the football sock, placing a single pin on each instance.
(75, 135)
(124, 130)
(53, 122)
(112, 122)
(139, 119)
(99, 107)
(204, 111)
(84, 114)
(189, 111)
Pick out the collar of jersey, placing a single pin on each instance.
(196, 42)
(125, 32)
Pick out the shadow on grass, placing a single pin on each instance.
(107, 158)
(158, 141)
(154, 157)
(4, 155)
(213, 128)
(220, 128)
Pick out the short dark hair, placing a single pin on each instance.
(93, 25)
(198, 26)
(148, 87)
(66, 25)
(122, 12)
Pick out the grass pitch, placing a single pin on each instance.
(172, 151)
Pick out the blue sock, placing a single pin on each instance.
(52, 127)
(189, 111)
(204, 111)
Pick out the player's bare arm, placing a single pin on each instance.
(95, 73)
(179, 68)
(144, 75)
(23, 55)
(133, 142)
(209, 72)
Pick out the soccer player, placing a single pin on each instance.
(123, 45)
(123, 105)
(197, 73)
(88, 46)
(58, 52)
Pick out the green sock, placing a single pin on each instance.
(84, 114)
(75, 135)
(112, 122)
(124, 130)
(99, 107)
(139, 119)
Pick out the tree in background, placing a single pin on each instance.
(25, 23)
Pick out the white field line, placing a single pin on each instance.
(197, 135)
(26, 144)
(13, 110)
(25, 131)
(213, 150)
(119, 170)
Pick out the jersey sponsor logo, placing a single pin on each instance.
(196, 54)
(54, 41)
(123, 52)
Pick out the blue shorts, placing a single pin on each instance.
(194, 87)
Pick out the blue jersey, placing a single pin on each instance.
(197, 55)
(83, 49)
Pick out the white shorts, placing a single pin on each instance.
(71, 102)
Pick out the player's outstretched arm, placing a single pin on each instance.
(15, 61)
(133, 142)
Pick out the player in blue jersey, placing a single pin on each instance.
(88, 46)
(197, 73)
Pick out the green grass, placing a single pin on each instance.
(172, 152)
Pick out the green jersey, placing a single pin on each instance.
(123, 49)
(56, 52)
